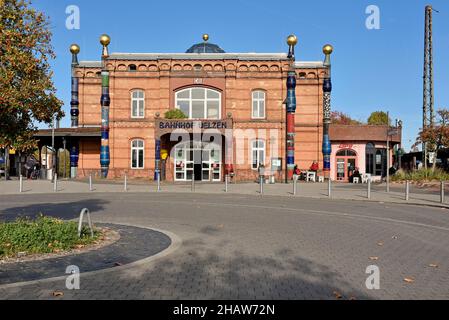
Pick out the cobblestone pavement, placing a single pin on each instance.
(253, 247)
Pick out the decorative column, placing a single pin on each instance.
(291, 109)
(157, 157)
(105, 103)
(327, 90)
(74, 111)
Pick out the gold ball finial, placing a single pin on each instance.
(75, 49)
(205, 37)
(328, 49)
(292, 40)
(105, 40)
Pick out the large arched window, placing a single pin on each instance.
(137, 154)
(137, 104)
(346, 153)
(258, 108)
(199, 103)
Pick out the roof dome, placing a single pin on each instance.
(205, 47)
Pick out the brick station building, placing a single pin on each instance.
(241, 92)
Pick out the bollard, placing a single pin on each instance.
(261, 185)
(442, 192)
(226, 183)
(126, 182)
(55, 183)
(295, 186)
(158, 182)
(369, 189)
(329, 188)
(21, 184)
(407, 190)
(193, 184)
(90, 182)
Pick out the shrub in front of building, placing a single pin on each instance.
(422, 175)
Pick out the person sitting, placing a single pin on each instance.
(314, 167)
(296, 173)
(356, 174)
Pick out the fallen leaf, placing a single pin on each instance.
(432, 265)
(409, 280)
(380, 244)
(337, 295)
(374, 258)
(58, 294)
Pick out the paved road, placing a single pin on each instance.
(252, 247)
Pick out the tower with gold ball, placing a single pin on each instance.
(292, 41)
(105, 103)
(74, 110)
(327, 90)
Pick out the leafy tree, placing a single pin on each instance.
(338, 117)
(378, 118)
(27, 93)
(175, 114)
(436, 136)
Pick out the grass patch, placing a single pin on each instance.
(42, 235)
(422, 175)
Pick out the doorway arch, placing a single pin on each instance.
(346, 162)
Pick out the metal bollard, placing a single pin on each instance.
(442, 191)
(55, 183)
(158, 182)
(90, 182)
(261, 185)
(193, 184)
(126, 182)
(295, 186)
(329, 188)
(21, 184)
(368, 195)
(407, 190)
(226, 183)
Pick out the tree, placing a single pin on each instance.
(338, 117)
(27, 93)
(379, 118)
(436, 136)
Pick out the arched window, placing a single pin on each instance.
(199, 103)
(370, 158)
(258, 102)
(137, 104)
(257, 153)
(132, 67)
(137, 154)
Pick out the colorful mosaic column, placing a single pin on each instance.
(327, 90)
(157, 157)
(74, 111)
(291, 108)
(105, 103)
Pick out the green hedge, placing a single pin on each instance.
(42, 235)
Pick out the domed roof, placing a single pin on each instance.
(205, 47)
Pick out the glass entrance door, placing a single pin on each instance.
(197, 162)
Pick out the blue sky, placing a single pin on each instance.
(372, 69)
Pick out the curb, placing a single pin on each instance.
(176, 243)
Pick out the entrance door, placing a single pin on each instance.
(346, 161)
(194, 161)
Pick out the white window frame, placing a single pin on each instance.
(139, 166)
(139, 100)
(258, 149)
(190, 100)
(256, 114)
